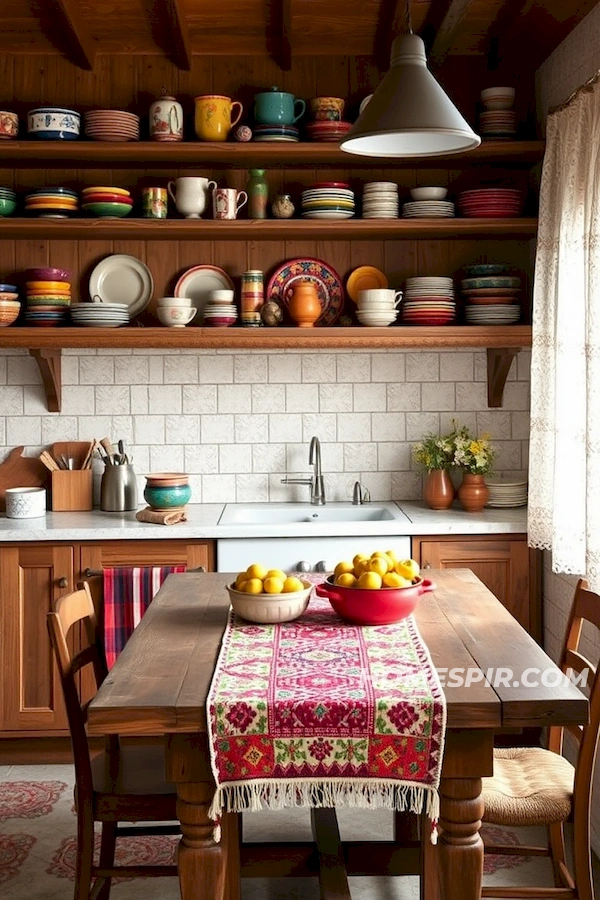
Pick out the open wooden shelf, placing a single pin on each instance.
(240, 156)
(263, 229)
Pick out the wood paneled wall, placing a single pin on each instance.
(133, 82)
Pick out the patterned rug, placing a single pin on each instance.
(37, 847)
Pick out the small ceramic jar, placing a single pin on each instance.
(9, 125)
(282, 206)
(166, 119)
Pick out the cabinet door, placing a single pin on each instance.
(32, 576)
(502, 563)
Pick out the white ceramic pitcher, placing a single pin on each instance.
(190, 194)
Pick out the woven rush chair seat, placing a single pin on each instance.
(530, 786)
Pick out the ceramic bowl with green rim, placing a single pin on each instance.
(108, 210)
(7, 207)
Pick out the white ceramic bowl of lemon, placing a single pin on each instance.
(270, 609)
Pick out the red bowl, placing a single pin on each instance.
(382, 607)
(48, 273)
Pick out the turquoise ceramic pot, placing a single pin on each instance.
(167, 497)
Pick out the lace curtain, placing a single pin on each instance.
(564, 479)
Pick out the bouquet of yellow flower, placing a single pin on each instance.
(434, 452)
(474, 454)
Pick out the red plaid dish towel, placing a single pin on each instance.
(128, 591)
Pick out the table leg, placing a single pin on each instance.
(201, 862)
(460, 846)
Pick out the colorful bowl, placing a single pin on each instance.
(167, 497)
(48, 274)
(378, 607)
(53, 123)
(7, 207)
(9, 313)
(327, 109)
(108, 210)
(270, 608)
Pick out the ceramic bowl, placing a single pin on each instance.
(9, 125)
(108, 210)
(25, 502)
(382, 607)
(492, 281)
(8, 296)
(479, 270)
(7, 207)
(495, 92)
(53, 123)
(219, 321)
(9, 313)
(167, 497)
(428, 193)
(497, 104)
(176, 316)
(270, 608)
(47, 273)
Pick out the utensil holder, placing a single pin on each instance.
(118, 489)
(71, 490)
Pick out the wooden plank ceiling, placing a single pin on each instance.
(283, 29)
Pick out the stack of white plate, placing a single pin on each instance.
(100, 315)
(429, 300)
(112, 125)
(328, 200)
(380, 200)
(494, 314)
(504, 494)
(428, 209)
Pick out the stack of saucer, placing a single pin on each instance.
(429, 300)
(281, 133)
(499, 119)
(106, 202)
(100, 315)
(220, 315)
(328, 200)
(327, 131)
(112, 125)
(380, 200)
(494, 314)
(428, 203)
(52, 202)
(506, 494)
(487, 290)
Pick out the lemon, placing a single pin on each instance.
(392, 555)
(393, 580)
(276, 573)
(273, 585)
(378, 564)
(256, 571)
(241, 586)
(291, 585)
(342, 568)
(242, 577)
(358, 558)
(346, 579)
(361, 566)
(253, 586)
(370, 580)
(408, 568)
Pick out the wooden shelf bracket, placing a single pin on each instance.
(499, 361)
(49, 363)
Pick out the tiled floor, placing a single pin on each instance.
(45, 842)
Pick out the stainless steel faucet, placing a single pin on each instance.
(316, 483)
(360, 494)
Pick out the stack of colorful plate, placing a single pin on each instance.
(491, 203)
(495, 314)
(276, 133)
(380, 200)
(487, 290)
(506, 494)
(328, 200)
(498, 124)
(112, 125)
(8, 202)
(327, 131)
(100, 315)
(106, 202)
(220, 315)
(52, 202)
(48, 301)
(428, 209)
(429, 300)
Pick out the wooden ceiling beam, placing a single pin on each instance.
(390, 23)
(79, 45)
(279, 34)
(177, 37)
(448, 29)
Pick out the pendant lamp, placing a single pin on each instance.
(409, 115)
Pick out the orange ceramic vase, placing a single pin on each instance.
(438, 490)
(473, 492)
(304, 306)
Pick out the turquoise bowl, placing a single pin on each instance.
(108, 210)
(7, 207)
(167, 497)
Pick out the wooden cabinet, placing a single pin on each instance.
(503, 562)
(32, 576)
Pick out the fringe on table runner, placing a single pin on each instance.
(241, 796)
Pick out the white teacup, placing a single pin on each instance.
(174, 301)
(387, 297)
(224, 296)
(176, 316)
(190, 195)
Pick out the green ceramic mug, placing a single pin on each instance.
(277, 107)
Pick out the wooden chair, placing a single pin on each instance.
(535, 786)
(121, 784)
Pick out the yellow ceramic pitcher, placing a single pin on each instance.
(213, 118)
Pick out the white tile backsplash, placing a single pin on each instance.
(238, 422)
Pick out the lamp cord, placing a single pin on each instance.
(407, 16)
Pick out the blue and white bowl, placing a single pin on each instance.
(53, 123)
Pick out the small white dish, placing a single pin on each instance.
(25, 502)
(428, 193)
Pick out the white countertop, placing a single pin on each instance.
(411, 518)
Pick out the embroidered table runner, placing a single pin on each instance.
(320, 713)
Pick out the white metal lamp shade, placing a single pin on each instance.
(409, 115)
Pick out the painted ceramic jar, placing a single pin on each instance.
(9, 125)
(258, 194)
(282, 206)
(166, 119)
(154, 203)
(252, 298)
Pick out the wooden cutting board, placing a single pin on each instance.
(20, 471)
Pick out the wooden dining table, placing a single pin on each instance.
(159, 684)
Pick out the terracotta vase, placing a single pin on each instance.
(438, 490)
(473, 492)
(304, 306)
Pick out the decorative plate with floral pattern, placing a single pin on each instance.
(328, 283)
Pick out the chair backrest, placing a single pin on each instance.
(585, 608)
(69, 611)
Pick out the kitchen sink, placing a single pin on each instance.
(291, 513)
